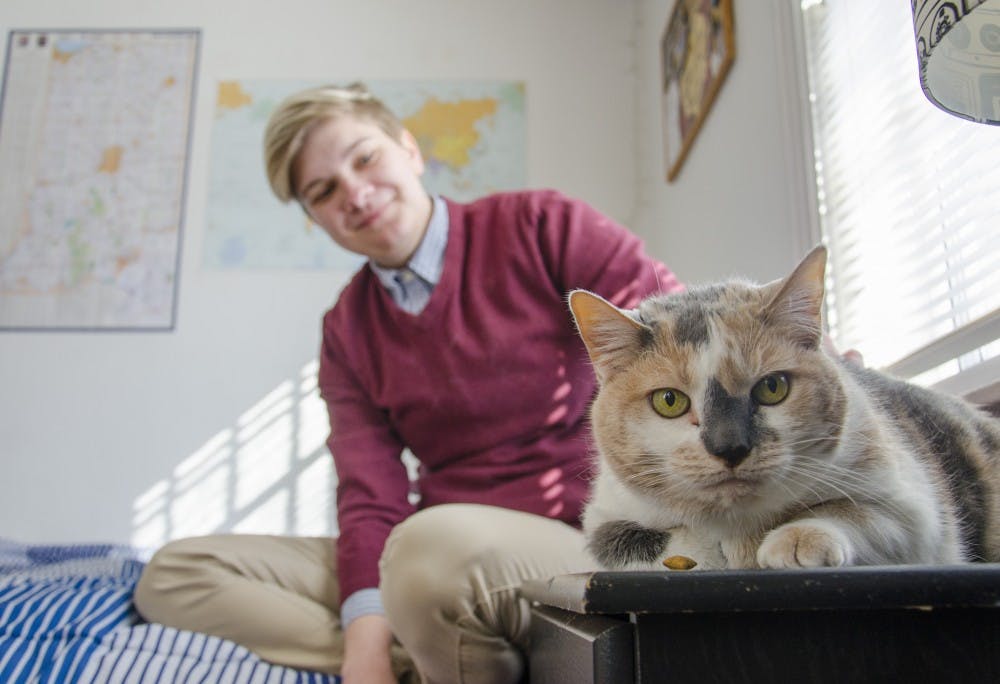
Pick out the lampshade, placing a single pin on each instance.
(958, 45)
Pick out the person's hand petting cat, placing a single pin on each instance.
(851, 355)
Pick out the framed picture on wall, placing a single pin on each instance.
(696, 52)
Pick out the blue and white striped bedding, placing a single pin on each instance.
(66, 615)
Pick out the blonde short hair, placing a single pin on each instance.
(298, 114)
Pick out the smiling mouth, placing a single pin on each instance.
(369, 219)
(364, 223)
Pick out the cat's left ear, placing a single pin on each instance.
(797, 307)
(612, 337)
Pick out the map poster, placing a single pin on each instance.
(94, 139)
(471, 134)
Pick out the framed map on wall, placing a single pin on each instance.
(471, 134)
(94, 141)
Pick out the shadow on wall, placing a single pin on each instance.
(268, 473)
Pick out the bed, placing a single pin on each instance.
(66, 615)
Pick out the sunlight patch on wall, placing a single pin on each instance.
(268, 473)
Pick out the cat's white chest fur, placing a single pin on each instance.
(612, 501)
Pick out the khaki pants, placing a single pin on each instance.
(450, 578)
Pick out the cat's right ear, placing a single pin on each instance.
(611, 336)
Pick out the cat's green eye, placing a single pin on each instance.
(771, 389)
(669, 403)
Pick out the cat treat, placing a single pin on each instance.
(726, 432)
(679, 563)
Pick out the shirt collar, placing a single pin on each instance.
(428, 261)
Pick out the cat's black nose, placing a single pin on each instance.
(727, 425)
(732, 455)
(727, 440)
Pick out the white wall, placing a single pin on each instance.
(214, 426)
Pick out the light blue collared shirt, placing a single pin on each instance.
(411, 288)
(411, 285)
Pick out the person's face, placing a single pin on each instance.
(363, 188)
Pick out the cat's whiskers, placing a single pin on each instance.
(847, 483)
(832, 440)
(802, 485)
(901, 517)
(820, 468)
(806, 479)
(652, 474)
(812, 479)
(649, 472)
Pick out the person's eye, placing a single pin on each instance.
(367, 158)
(323, 193)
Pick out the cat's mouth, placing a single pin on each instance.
(733, 485)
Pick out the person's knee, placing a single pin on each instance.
(405, 549)
(174, 565)
(425, 557)
(449, 594)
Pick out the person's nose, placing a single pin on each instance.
(357, 192)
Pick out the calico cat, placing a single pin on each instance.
(725, 433)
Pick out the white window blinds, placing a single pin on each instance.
(909, 204)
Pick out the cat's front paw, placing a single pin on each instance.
(625, 544)
(805, 544)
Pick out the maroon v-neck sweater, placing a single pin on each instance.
(488, 386)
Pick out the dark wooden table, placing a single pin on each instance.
(864, 624)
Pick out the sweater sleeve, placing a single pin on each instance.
(582, 248)
(372, 483)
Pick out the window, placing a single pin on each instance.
(908, 198)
